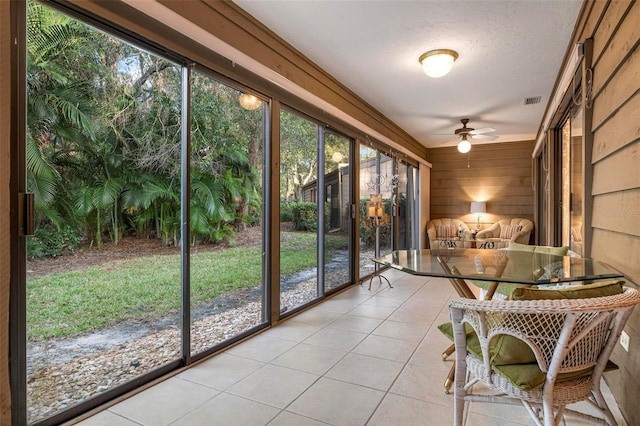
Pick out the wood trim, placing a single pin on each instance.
(587, 154)
(273, 216)
(5, 220)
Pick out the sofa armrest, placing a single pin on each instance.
(491, 232)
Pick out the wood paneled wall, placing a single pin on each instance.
(615, 158)
(498, 173)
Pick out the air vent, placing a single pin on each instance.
(531, 101)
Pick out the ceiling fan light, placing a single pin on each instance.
(249, 102)
(464, 146)
(437, 63)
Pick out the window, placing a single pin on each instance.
(106, 283)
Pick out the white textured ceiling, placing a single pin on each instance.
(508, 50)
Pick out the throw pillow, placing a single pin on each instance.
(446, 231)
(508, 231)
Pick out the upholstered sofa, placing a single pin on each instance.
(444, 233)
(502, 232)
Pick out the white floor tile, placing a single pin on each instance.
(107, 418)
(401, 330)
(335, 338)
(165, 402)
(262, 348)
(423, 383)
(337, 403)
(386, 347)
(221, 371)
(372, 311)
(315, 316)
(286, 418)
(367, 371)
(273, 385)
(356, 323)
(293, 330)
(399, 410)
(339, 306)
(309, 358)
(229, 410)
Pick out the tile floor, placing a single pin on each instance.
(363, 357)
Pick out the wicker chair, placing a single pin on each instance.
(571, 339)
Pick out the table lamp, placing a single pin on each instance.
(478, 207)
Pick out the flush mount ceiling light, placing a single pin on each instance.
(439, 62)
(464, 146)
(249, 102)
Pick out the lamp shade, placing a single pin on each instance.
(478, 207)
(437, 63)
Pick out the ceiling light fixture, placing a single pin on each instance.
(464, 146)
(439, 62)
(249, 102)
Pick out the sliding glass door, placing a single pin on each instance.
(227, 284)
(315, 249)
(337, 232)
(103, 160)
(147, 178)
(387, 195)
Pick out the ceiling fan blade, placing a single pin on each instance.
(484, 137)
(481, 131)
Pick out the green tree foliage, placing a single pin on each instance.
(104, 144)
(298, 155)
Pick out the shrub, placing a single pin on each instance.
(305, 216)
(48, 241)
(286, 212)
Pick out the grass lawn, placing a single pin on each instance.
(74, 302)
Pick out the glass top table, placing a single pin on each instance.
(495, 266)
(498, 266)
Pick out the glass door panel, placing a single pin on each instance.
(227, 283)
(368, 186)
(577, 191)
(103, 268)
(387, 177)
(337, 230)
(298, 211)
(565, 184)
(404, 203)
(378, 181)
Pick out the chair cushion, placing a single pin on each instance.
(508, 231)
(556, 251)
(504, 349)
(597, 289)
(528, 377)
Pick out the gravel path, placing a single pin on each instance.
(64, 372)
(67, 371)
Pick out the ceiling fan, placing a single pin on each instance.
(467, 133)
